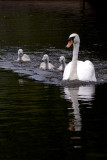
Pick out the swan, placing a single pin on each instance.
(22, 57)
(78, 70)
(46, 65)
(63, 64)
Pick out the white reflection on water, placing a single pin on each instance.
(21, 82)
(84, 93)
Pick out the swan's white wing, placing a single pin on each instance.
(86, 71)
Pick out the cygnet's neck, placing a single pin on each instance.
(73, 74)
(19, 57)
(47, 63)
(63, 65)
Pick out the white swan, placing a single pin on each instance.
(22, 57)
(83, 71)
(46, 65)
(63, 64)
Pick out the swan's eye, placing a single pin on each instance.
(71, 38)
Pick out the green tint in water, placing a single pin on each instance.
(33, 120)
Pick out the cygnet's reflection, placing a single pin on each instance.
(84, 93)
(21, 82)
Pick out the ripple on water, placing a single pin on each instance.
(31, 69)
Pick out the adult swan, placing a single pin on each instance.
(78, 70)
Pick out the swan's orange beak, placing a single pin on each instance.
(69, 43)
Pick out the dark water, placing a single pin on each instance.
(39, 118)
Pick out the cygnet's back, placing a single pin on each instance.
(46, 65)
(63, 64)
(26, 58)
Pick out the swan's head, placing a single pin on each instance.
(62, 59)
(45, 58)
(73, 39)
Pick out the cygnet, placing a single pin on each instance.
(63, 64)
(45, 65)
(22, 57)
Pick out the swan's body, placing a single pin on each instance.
(83, 71)
(22, 57)
(63, 64)
(46, 65)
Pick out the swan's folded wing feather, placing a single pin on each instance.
(86, 71)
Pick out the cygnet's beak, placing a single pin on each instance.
(69, 43)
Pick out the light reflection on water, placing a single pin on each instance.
(74, 95)
(36, 115)
(42, 119)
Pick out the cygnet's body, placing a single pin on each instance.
(22, 57)
(46, 65)
(63, 64)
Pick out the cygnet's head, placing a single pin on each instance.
(20, 52)
(62, 59)
(45, 58)
(73, 39)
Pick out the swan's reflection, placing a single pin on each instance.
(84, 93)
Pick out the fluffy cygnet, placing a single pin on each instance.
(63, 64)
(46, 65)
(22, 57)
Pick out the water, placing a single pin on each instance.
(39, 117)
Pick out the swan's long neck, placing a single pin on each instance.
(73, 73)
